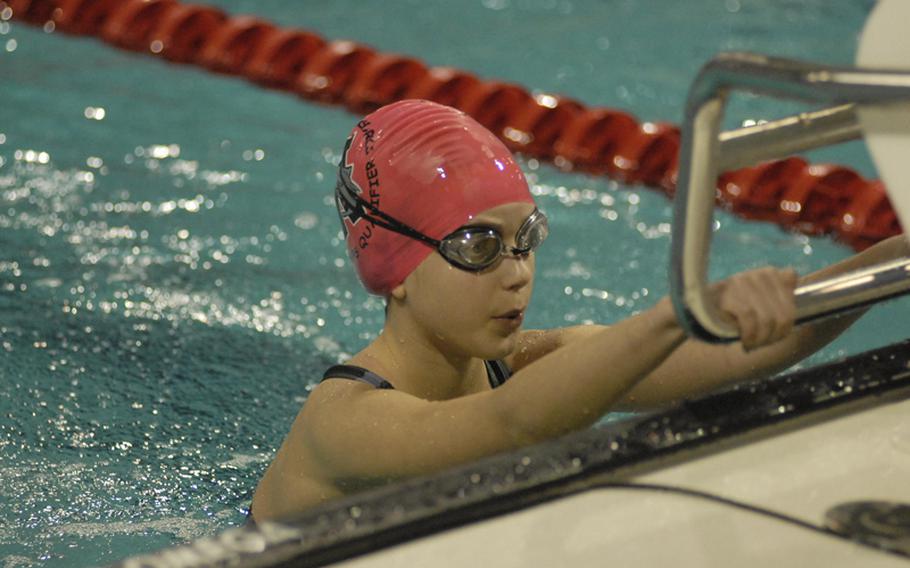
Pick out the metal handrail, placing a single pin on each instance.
(706, 152)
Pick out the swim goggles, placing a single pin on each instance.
(473, 248)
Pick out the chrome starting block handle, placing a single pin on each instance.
(706, 152)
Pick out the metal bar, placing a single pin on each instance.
(787, 136)
(801, 80)
(852, 290)
(704, 151)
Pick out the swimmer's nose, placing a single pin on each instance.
(517, 270)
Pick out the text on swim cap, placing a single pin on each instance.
(372, 173)
(349, 195)
(368, 133)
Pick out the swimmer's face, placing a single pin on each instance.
(464, 310)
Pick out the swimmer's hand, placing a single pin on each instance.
(760, 303)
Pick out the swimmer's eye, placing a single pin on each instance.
(533, 232)
(483, 247)
(477, 248)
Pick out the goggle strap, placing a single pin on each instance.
(392, 224)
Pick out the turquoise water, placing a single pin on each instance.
(171, 279)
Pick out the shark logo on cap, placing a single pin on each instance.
(347, 192)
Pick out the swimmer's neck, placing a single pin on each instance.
(423, 366)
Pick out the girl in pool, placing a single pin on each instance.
(440, 221)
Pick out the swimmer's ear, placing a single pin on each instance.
(399, 292)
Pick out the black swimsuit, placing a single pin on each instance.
(497, 373)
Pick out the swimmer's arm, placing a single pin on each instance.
(535, 343)
(697, 367)
(359, 433)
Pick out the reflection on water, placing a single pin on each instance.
(133, 345)
(171, 278)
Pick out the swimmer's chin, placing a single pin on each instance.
(500, 345)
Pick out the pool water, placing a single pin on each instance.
(171, 277)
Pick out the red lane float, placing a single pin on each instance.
(813, 199)
(232, 45)
(131, 26)
(281, 57)
(331, 71)
(81, 17)
(444, 85)
(383, 78)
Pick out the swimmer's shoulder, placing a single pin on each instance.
(301, 475)
(344, 373)
(336, 388)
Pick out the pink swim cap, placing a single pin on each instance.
(429, 166)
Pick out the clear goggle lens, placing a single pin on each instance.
(476, 248)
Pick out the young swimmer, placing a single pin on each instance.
(440, 221)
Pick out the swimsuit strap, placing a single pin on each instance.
(497, 373)
(357, 374)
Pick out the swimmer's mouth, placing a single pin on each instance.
(512, 315)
